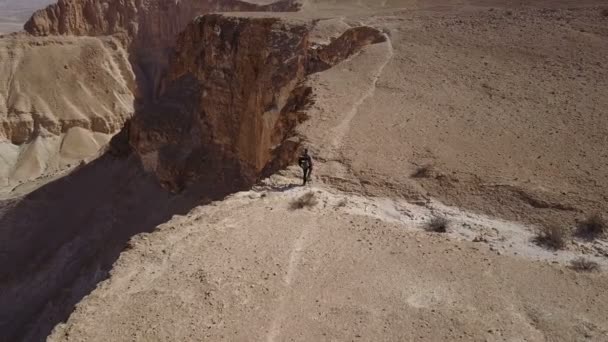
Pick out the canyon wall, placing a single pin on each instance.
(147, 27)
(51, 85)
(152, 20)
(235, 90)
(232, 92)
(225, 95)
(64, 97)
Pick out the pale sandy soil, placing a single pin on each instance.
(61, 99)
(506, 103)
(349, 268)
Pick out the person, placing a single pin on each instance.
(305, 162)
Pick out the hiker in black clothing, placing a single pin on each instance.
(305, 162)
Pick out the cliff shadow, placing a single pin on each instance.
(58, 242)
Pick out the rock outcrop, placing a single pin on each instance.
(84, 88)
(154, 20)
(350, 42)
(148, 27)
(228, 91)
(234, 92)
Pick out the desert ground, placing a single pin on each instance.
(490, 114)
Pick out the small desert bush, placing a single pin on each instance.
(584, 265)
(437, 224)
(592, 227)
(604, 12)
(342, 203)
(552, 236)
(307, 200)
(423, 172)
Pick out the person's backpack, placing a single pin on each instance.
(304, 162)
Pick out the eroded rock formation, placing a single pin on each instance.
(155, 20)
(225, 100)
(234, 92)
(52, 85)
(350, 42)
(148, 27)
(85, 88)
(61, 99)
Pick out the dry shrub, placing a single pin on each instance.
(308, 200)
(593, 227)
(437, 224)
(604, 12)
(553, 236)
(423, 172)
(584, 265)
(342, 203)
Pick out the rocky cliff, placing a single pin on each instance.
(225, 94)
(233, 94)
(156, 20)
(65, 96)
(148, 27)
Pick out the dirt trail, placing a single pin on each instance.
(292, 268)
(340, 131)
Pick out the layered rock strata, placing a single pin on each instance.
(61, 100)
(235, 90)
(147, 27)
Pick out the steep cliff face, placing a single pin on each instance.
(148, 27)
(223, 98)
(233, 94)
(226, 100)
(66, 96)
(159, 20)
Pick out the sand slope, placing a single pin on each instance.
(61, 99)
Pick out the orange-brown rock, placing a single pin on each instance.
(226, 100)
(148, 27)
(155, 20)
(234, 92)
